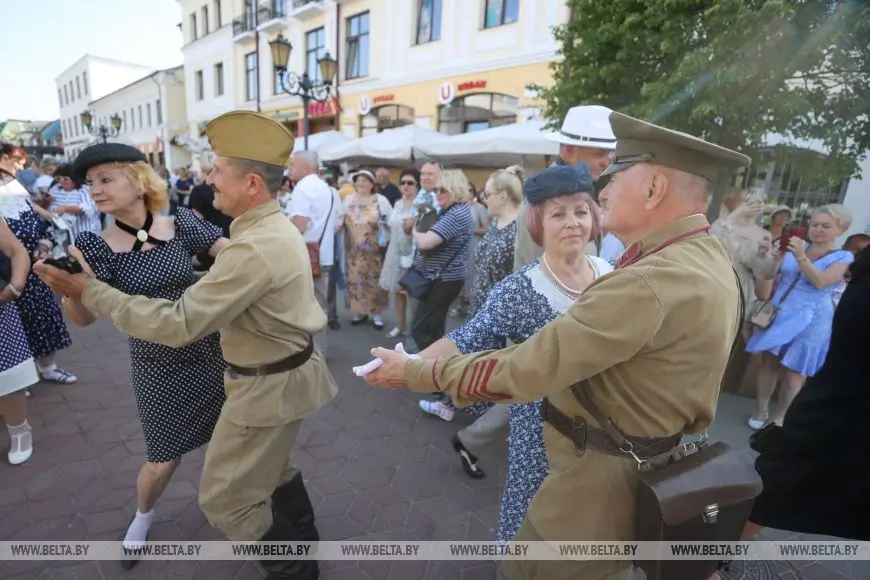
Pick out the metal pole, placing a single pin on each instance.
(305, 101)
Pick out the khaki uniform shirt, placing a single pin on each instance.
(260, 295)
(653, 340)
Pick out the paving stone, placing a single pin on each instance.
(376, 467)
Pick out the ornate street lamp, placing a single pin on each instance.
(102, 131)
(302, 85)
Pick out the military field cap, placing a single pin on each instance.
(557, 181)
(641, 142)
(104, 153)
(251, 136)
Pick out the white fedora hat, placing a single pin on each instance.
(586, 126)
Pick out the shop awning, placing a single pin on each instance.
(497, 147)
(391, 147)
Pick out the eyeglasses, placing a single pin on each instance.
(408, 182)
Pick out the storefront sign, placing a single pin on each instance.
(471, 86)
(446, 93)
(316, 109)
(384, 99)
(365, 105)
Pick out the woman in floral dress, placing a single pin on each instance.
(365, 216)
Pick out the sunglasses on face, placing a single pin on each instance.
(408, 182)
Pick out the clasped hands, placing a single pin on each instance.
(61, 281)
(387, 370)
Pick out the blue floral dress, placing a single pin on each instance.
(39, 308)
(179, 391)
(518, 307)
(801, 332)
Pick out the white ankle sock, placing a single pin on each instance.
(48, 369)
(138, 530)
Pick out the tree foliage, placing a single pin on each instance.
(730, 71)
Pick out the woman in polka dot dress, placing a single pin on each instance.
(17, 369)
(179, 391)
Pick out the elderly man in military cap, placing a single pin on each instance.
(260, 294)
(650, 341)
(584, 137)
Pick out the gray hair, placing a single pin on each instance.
(381, 171)
(309, 158)
(841, 214)
(272, 175)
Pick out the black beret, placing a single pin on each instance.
(105, 153)
(557, 181)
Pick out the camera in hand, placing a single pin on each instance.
(66, 263)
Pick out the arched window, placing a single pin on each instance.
(477, 112)
(385, 117)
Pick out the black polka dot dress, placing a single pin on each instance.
(179, 391)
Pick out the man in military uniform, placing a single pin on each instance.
(260, 294)
(650, 341)
(585, 137)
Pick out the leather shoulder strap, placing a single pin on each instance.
(586, 397)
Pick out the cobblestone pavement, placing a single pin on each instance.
(376, 468)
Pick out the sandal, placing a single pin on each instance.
(59, 376)
(19, 453)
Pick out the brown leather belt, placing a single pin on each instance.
(585, 437)
(293, 361)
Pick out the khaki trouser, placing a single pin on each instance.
(561, 569)
(243, 466)
(486, 429)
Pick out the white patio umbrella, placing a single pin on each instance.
(501, 146)
(391, 147)
(318, 141)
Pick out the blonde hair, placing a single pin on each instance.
(145, 179)
(841, 214)
(456, 184)
(510, 181)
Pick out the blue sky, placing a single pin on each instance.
(42, 38)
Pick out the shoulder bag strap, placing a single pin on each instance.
(328, 216)
(799, 276)
(585, 396)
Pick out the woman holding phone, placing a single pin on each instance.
(795, 343)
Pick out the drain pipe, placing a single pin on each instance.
(256, 22)
(337, 64)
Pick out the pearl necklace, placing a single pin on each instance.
(556, 279)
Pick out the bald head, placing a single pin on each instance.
(303, 164)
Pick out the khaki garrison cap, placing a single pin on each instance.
(251, 136)
(641, 142)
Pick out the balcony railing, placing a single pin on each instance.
(244, 23)
(272, 10)
(302, 3)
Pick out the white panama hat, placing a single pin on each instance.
(586, 126)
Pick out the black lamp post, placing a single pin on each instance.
(102, 131)
(302, 86)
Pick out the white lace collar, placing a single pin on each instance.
(14, 200)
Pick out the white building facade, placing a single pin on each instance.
(153, 115)
(209, 70)
(89, 78)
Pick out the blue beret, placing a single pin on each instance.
(557, 181)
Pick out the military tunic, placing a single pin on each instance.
(653, 340)
(260, 295)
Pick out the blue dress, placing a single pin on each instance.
(39, 308)
(518, 307)
(179, 391)
(801, 332)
